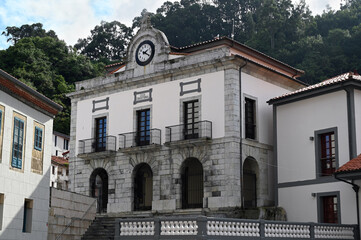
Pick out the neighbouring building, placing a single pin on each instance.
(60, 144)
(178, 130)
(59, 174)
(26, 126)
(317, 138)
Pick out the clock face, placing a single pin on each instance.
(144, 53)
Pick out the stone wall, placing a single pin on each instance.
(68, 207)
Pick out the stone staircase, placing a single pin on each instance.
(102, 228)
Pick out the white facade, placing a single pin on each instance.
(221, 78)
(25, 182)
(60, 144)
(59, 174)
(302, 119)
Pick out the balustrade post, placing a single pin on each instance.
(202, 228)
(117, 229)
(157, 227)
(262, 230)
(312, 231)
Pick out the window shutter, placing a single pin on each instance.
(18, 137)
(1, 116)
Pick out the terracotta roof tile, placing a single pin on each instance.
(59, 160)
(352, 165)
(328, 82)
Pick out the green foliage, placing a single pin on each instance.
(14, 34)
(108, 42)
(50, 67)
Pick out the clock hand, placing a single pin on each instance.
(146, 52)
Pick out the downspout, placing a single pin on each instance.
(240, 128)
(356, 188)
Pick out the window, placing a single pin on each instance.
(326, 152)
(28, 215)
(250, 118)
(1, 209)
(66, 144)
(56, 152)
(2, 111)
(191, 119)
(328, 161)
(18, 143)
(143, 127)
(1, 118)
(53, 170)
(100, 134)
(38, 139)
(56, 140)
(329, 207)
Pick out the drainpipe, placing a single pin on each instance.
(240, 128)
(356, 188)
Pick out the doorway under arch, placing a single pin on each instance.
(250, 181)
(143, 187)
(192, 184)
(99, 188)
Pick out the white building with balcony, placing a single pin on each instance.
(317, 132)
(178, 130)
(26, 126)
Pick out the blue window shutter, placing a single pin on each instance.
(18, 139)
(38, 138)
(1, 116)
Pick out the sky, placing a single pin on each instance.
(73, 19)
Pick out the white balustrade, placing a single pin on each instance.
(136, 228)
(226, 228)
(334, 232)
(287, 230)
(179, 228)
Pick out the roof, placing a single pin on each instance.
(351, 166)
(59, 160)
(242, 50)
(61, 135)
(329, 82)
(27, 95)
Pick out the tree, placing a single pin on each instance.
(50, 67)
(108, 42)
(14, 34)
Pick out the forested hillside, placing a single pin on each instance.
(323, 45)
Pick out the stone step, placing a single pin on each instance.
(102, 228)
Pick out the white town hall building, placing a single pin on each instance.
(190, 131)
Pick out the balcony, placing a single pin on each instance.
(196, 132)
(97, 147)
(142, 140)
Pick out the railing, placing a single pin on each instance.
(227, 228)
(202, 129)
(135, 139)
(97, 145)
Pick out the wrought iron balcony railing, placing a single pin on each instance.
(107, 143)
(140, 138)
(195, 130)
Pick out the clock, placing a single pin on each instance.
(144, 53)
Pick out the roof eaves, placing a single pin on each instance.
(28, 89)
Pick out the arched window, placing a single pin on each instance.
(99, 188)
(250, 177)
(192, 184)
(143, 187)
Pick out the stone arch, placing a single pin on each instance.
(192, 183)
(99, 188)
(142, 187)
(250, 183)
